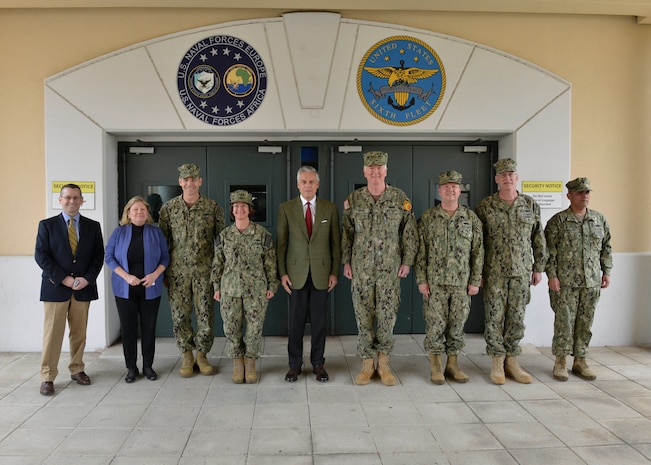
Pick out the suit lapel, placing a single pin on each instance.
(297, 211)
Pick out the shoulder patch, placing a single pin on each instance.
(346, 204)
(406, 205)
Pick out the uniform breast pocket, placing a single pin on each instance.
(525, 217)
(465, 230)
(597, 234)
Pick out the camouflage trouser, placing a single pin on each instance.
(445, 311)
(376, 300)
(181, 290)
(236, 310)
(574, 309)
(505, 300)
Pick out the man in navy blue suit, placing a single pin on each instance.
(70, 251)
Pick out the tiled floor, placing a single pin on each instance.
(209, 420)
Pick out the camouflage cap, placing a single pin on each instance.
(505, 164)
(578, 185)
(189, 170)
(243, 196)
(375, 158)
(449, 176)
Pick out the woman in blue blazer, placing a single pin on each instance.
(138, 255)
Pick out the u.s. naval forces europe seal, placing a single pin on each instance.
(401, 80)
(222, 80)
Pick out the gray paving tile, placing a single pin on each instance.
(523, 436)
(343, 440)
(446, 413)
(392, 413)
(406, 438)
(564, 456)
(415, 458)
(337, 414)
(501, 412)
(84, 441)
(280, 441)
(468, 436)
(484, 457)
(609, 455)
(630, 430)
(351, 459)
(169, 441)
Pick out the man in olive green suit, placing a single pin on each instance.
(309, 257)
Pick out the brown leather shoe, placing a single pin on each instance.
(81, 378)
(321, 373)
(47, 388)
(292, 375)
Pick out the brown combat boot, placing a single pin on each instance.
(436, 370)
(560, 369)
(453, 371)
(187, 364)
(205, 368)
(384, 370)
(368, 369)
(497, 370)
(513, 370)
(238, 370)
(581, 369)
(250, 374)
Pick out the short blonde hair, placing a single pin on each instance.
(125, 212)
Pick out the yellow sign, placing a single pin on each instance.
(87, 192)
(548, 194)
(542, 186)
(87, 187)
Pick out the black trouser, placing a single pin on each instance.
(131, 311)
(312, 301)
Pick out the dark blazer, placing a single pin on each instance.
(297, 255)
(54, 256)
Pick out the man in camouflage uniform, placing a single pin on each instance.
(580, 260)
(448, 272)
(191, 223)
(244, 277)
(379, 244)
(516, 252)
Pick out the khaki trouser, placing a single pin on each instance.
(54, 326)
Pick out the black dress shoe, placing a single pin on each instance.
(81, 378)
(292, 375)
(47, 388)
(321, 373)
(150, 374)
(132, 374)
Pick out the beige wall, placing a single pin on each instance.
(607, 60)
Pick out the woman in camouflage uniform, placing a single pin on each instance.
(244, 277)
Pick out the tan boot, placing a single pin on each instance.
(453, 371)
(580, 368)
(435, 367)
(238, 370)
(250, 375)
(205, 368)
(560, 369)
(187, 364)
(368, 369)
(497, 370)
(384, 370)
(513, 370)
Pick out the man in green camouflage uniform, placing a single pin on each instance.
(379, 244)
(580, 260)
(191, 223)
(244, 277)
(516, 252)
(448, 272)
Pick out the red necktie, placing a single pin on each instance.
(308, 219)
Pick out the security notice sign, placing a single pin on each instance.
(87, 191)
(548, 194)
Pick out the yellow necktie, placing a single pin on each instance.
(72, 235)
